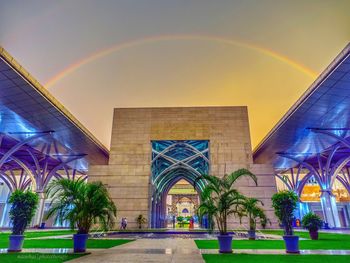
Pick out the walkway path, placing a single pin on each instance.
(148, 250)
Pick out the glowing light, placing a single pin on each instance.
(154, 39)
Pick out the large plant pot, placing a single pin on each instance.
(251, 235)
(79, 241)
(15, 243)
(225, 243)
(313, 235)
(292, 244)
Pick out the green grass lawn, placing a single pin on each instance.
(36, 257)
(33, 234)
(275, 258)
(326, 241)
(60, 242)
(67, 243)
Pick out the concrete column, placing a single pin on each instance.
(157, 214)
(303, 209)
(4, 217)
(329, 208)
(152, 217)
(40, 210)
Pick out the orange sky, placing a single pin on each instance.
(265, 58)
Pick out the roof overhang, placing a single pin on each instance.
(325, 106)
(27, 108)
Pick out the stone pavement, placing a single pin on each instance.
(148, 250)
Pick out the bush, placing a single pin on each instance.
(284, 204)
(82, 204)
(312, 222)
(180, 219)
(24, 204)
(141, 220)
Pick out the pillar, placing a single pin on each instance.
(5, 222)
(329, 208)
(303, 209)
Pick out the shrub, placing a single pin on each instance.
(180, 219)
(312, 222)
(24, 204)
(82, 204)
(284, 204)
(254, 212)
(141, 220)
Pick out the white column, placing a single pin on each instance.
(40, 210)
(303, 209)
(329, 207)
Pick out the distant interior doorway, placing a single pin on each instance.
(182, 203)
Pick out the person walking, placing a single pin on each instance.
(125, 223)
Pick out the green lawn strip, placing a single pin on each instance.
(209, 258)
(34, 234)
(331, 237)
(37, 257)
(67, 243)
(279, 232)
(326, 241)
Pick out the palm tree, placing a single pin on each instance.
(254, 212)
(219, 199)
(81, 204)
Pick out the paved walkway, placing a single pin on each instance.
(148, 250)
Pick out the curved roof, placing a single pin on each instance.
(28, 109)
(318, 120)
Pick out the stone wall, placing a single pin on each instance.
(128, 172)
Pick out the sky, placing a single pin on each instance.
(96, 55)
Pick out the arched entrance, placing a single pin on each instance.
(173, 161)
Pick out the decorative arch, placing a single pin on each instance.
(171, 162)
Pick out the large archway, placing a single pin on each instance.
(173, 161)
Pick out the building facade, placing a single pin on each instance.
(153, 148)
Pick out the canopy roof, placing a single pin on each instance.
(318, 121)
(32, 118)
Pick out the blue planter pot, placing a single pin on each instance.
(225, 243)
(15, 243)
(79, 241)
(292, 244)
(251, 235)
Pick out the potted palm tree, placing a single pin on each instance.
(23, 206)
(254, 213)
(141, 220)
(221, 200)
(82, 205)
(284, 204)
(313, 223)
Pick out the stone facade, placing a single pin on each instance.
(129, 170)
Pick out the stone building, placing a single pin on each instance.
(153, 148)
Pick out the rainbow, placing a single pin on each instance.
(153, 39)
